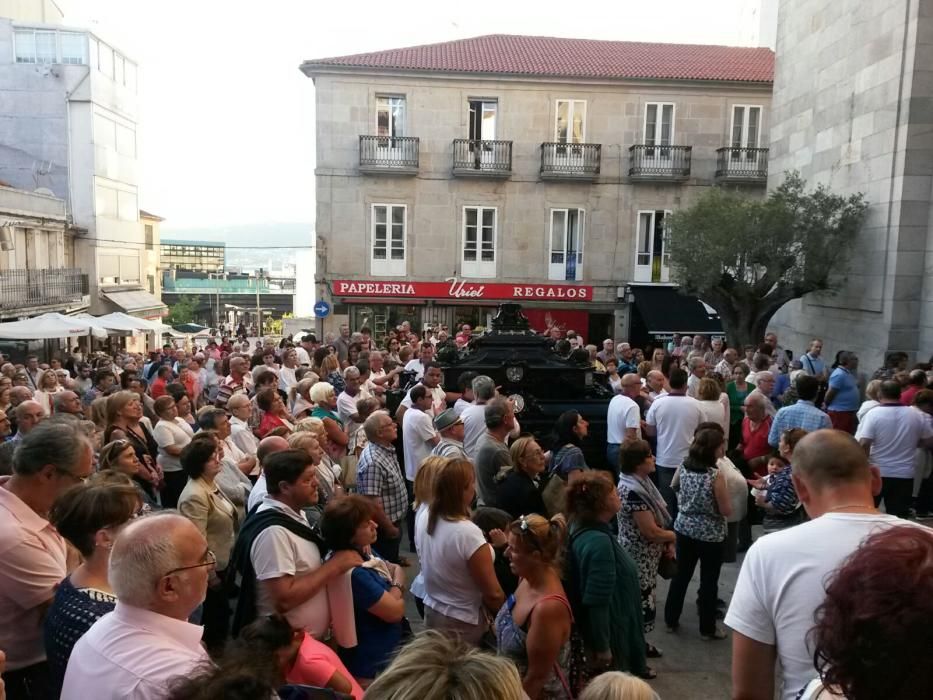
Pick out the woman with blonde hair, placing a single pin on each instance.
(48, 387)
(299, 396)
(424, 492)
(459, 579)
(437, 667)
(324, 398)
(533, 626)
(518, 491)
(616, 685)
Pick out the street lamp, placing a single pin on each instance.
(260, 274)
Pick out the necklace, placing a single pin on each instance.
(851, 505)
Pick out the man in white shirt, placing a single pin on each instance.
(673, 419)
(890, 435)
(418, 434)
(417, 365)
(432, 382)
(474, 417)
(240, 408)
(623, 420)
(267, 446)
(285, 560)
(306, 349)
(783, 577)
(346, 401)
(697, 366)
(159, 569)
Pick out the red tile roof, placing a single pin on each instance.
(568, 58)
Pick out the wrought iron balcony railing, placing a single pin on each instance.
(741, 164)
(652, 162)
(21, 289)
(482, 158)
(389, 154)
(573, 161)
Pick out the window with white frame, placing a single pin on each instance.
(566, 254)
(570, 121)
(659, 128)
(479, 242)
(746, 131)
(651, 254)
(482, 125)
(390, 115)
(389, 228)
(47, 46)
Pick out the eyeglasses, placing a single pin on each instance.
(211, 561)
(74, 477)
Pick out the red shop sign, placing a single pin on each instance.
(453, 288)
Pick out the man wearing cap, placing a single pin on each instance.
(449, 426)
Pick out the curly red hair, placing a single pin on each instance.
(874, 631)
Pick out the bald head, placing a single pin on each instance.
(28, 415)
(144, 553)
(18, 394)
(830, 458)
(269, 446)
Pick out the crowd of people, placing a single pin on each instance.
(227, 521)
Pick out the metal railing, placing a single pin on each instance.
(651, 161)
(25, 288)
(570, 159)
(482, 156)
(742, 163)
(389, 152)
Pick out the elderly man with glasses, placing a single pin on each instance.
(159, 570)
(33, 556)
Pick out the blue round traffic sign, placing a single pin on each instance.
(321, 309)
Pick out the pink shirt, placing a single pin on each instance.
(316, 665)
(33, 561)
(132, 654)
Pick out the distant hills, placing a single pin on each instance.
(274, 235)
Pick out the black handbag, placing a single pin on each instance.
(667, 567)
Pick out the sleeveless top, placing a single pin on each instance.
(698, 514)
(512, 643)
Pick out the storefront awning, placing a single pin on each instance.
(137, 302)
(665, 311)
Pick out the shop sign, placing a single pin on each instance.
(454, 288)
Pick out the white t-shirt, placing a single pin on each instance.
(448, 587)
(623, 413)
(693, 384)
(415, 366)
(675, 418)
(258, 493)
(276, 552)
(167, 434)
(346, 406)
(287, 378)
(460, 406)
(421, 524)
(714, 412)
(782, 582)
(438, 400)
(417, 429)
(474, 427)
(303, 357)
(895, 431)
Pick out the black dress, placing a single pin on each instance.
(518, 494)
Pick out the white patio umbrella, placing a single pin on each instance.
(114, 323)
(51, 326)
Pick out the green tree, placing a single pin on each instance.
(748, 257)
(181, 311)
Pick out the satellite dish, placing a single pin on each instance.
(44, 190)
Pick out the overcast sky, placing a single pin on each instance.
(226, 118)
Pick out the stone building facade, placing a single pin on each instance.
(862, 121)
(476, 168)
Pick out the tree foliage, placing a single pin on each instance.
(182, 311)
(747, 257)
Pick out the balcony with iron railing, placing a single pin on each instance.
(34, 289)
(742, 165)
(660, 163)
(389, 155)
(474, 158)
(570, 161)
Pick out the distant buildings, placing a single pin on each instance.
(192, 256)
(68, 112)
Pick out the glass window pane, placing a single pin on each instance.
(651, 120)
(558, 229)
(46, 47)
(25, 46)
(488, 132)
(73, 45)
(380, 215)
(667, 124)
(738, 119)
(754, 114)
(398, 215)
(398, 116)
(563, 121)
(579, 115)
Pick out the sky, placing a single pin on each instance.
(226, 132)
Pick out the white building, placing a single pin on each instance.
(68, 111)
